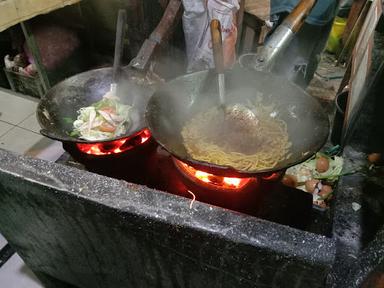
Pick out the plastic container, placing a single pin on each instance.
(24, 84)
(335, 37)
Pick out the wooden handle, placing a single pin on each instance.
(217, 45)
(297, 17)
(159, 36)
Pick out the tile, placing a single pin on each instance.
(31, 124)
(5, 127)
(19, 140)
(14, 274)
(20, 95)
(3, 242)
(14, 109)
(46, 149)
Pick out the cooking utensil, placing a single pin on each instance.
(178, 101)
(217, 47)
(237, 115)
(267, 56)
(58, 108)
(119, 45)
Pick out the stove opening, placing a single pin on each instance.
(211, 181)
(117, 146)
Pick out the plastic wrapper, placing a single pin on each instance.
(196, 20)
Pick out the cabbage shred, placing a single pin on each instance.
(103, 120)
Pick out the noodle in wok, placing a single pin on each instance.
(261, 149)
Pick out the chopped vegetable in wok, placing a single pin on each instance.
(103, 120)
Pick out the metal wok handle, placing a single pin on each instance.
(296, 18)
(119, 44)
(217, 46)
(163, 30)
(266, 57)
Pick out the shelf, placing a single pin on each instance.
(15, 11)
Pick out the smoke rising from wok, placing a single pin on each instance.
(178, 101)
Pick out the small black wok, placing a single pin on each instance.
(176, 102)
(58, 109)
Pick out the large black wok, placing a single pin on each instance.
(176, 102)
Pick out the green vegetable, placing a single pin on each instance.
(334, 171)
(68, 120)
(74, 134)
(102, 120)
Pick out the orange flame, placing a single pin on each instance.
(221, 182)
(117, 146)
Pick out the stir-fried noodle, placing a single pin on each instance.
(207, 139)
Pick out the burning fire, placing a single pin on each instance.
(225, 183)
(117, 146)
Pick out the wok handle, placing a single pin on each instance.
(217, 46)
(159, 36)
(297, 17)
(119, 44)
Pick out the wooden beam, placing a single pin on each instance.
(346, 52)
(13, 12)
(357, 7)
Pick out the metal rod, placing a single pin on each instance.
(119, 44)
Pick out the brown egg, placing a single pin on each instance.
(289, 180)
(326, 190)
(322, 164)
(321, 204)
(374, 157)
(310, 185)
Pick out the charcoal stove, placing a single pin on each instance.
(114, 147)
(149, 164)
(122, 159)
(78, 229)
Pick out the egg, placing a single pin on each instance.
(310, 185)
(289, 180)
(322, 165)
(321, 204)
(374, 158)
(326, 190)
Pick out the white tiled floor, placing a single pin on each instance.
(19, 129)
(19, 140)
(4, 128)
(14, 274)
(3, 242)
(19, 132)
(14, 109)
(30, 124)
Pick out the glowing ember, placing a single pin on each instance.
(117, 146)
(224, 183)
(273, 176)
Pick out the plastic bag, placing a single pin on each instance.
(196, 23)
